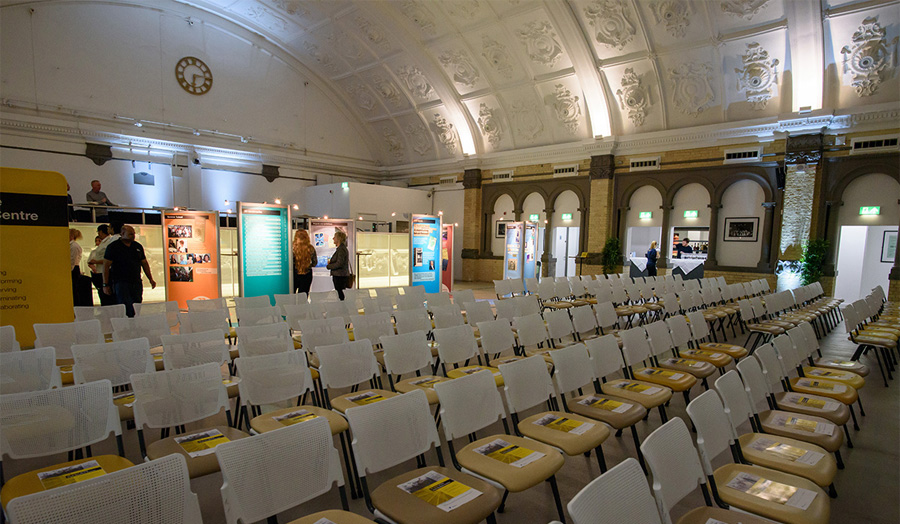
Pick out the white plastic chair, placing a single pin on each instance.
(461, 297)
(497, 338)
(412, 320)
(206, 304)
(252, 302)
(151, 327)
(559, 327)
(264, 339)
(8, 340)
(503, 288)
(507, 309)
(346, 365)
(619, 495)
(161, 488)
(409, 302)
(447, 316)
(194, 349)
(29, 370)
(113, 361)
(457, 346)
(197, 321)
(170, 309)
(323, 296)
(291, 299)
(63, 336)
(372, 326)
(272, 379)
(295, 313)
(257, 316)
(584, 322)
(532, 332)
(438, 300)
(405, 354)
(102, 313)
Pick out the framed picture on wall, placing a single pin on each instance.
(500, 230)
(889, 246)
(741, 229)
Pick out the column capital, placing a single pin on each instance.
(472, 179)
(804, 149)
(602, 167)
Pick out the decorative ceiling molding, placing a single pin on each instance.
(746, 9)
(540, 43)
(490, 125)
(566, 107)
(692, 90)
(675, 14)
(758, 79)
(633, 97)
(612, 21)
(446, 134)
(869, 58)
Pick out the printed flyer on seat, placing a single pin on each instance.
(203, 443)
(439, 490)
(507, 453)
(70, 474)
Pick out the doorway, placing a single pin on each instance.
(565, 249)
(863, 260)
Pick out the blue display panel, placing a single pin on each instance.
(512, 253)
(265, 249)
(425, 252)
(530, 250)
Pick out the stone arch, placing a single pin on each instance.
(629, 191)
(669, 196)
(730, 180)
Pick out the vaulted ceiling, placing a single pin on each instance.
(433, 80)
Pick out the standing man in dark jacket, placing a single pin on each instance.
(340, 264)
(122, 266)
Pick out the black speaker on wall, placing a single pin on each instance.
(779, 177)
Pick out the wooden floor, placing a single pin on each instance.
(868, 488)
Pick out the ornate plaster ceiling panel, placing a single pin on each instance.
(539, 43)
(496, 55)
(393, 140)
(755, 68)
(611, 26)
(636, 104)
(460, 67)
(420, 142)
(441, 126)
(369, 32)
(564, 109)
(423, 18)
(864, 67)
(413, 79)
(387, 88)
(674, 22)
(363, 100)
(733, 15)
(268, 19)
(528, 122)
(493, 127)
(692, 87)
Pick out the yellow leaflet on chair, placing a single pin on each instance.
(605, 403)
(439, 490)
(507, 453)
(71, 474)
(566, 425)
(295, 417)
(202, 443)
(365, 398)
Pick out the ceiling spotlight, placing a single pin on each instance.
(440, 213)
(226, 201)
(296, 207)
(196, 132)
(393, 214)
(138, 124)
(360, 218)
(456, 224)
(278, 201)
(228, 210)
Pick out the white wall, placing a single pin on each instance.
(381, 201)
(690, 197)
(870, 190)
(534, 205)
(859, 267)
(744, 198)
(327, 200)
(639, 232)
(503, 210)
(566, 202)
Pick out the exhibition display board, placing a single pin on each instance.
(530, 251)
(383, 259)
(321, 234)
(35, 286)
(192, 255)
(264, 256)
(447, 257)
(512, 252)
(425, 240)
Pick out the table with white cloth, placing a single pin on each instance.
(638, 267)
(689, 268)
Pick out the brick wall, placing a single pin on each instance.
(599, 214)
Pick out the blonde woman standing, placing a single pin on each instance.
(304, 260)
(652, 255)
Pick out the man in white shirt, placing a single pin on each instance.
(103, 231)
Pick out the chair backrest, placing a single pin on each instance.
(605, 355)
(64, 335)
(416, 291)
(313, 341)
(478, 312)
(252, 302)
(463, 296)
(496, 336)
(151, 327)
(674, 464)
(265, 339)
(635, 346)
(340, 310)
(502, 288)
(737, 403)
(206, 304)
(102, 313)
(577, 287)
(447, 316)
(583, 319)
(170, 309)
(660, 339)
(507, 309)
(409, 302)
(161, 488)
(323, 296)
(715, 434)
(194, 349)
(786, 350)
(773, 369)
(412, 320)
(754, 382)
(372, 326)
(441, 299)
(347, 364)
(531, 330)
(546, 289)
(619, 495)
(178, 396)
(405, 353)
(606, 314)
(29, 370)
(113, 361)
(699, 327)
(456, 344)
(268, 379)
(469, 403)
(40, 423)
(322, 325)
(277, 470)
(8, 340)
(295, 313)
(679, 331)
(527, 383)
(203, 320)
(559, 324)
(527, 305)
(572, 368)
(516, 286)
(256, 316)
(378, 446)
(290, 299)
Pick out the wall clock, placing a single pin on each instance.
(193, 75)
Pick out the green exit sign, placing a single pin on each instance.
(691, 213)
(533, 218)
(870, 210)
(345, 185)
(567, 216)
(644, 215)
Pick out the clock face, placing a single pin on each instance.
(193, 75)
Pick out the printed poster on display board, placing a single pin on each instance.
(192, 255)
(512, 253)
(264, 257)
(321, 234)
(35, 272)
(530, 250)
(447, 256)
(425, 252)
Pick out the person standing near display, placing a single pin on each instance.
(683, 247)
(304, 260)
(652, 255)
(96, 263)
(340, 264)
(122, 266)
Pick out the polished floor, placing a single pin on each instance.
(868, 489)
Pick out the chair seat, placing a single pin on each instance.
(866, 340)
(844, 377)
(628, 414)
(673, 380)
(29, 483)
(814, 405)
(160, 365)
(844, 365)
(124, 403)
(405, 386)
(468, 370)
(879, 332)
(825, 388)
(818, 512)
(766, 328)
(653, 307)
(197, 466)
(733, 351)
(512, 478)
(312, 359)
(697, 368)
(344, 402)
(333, 515)
(816, 464)
(406, 508)
(803, 427)
(266, 422)
(720, 360)
(703, 515)
(571, 443)
(644, 393)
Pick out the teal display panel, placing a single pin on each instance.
(264, 253)
(425, 252)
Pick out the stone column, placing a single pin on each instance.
(714, 207)
(473, 223)
(802, 156)
(768, 229)
(598, 213)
